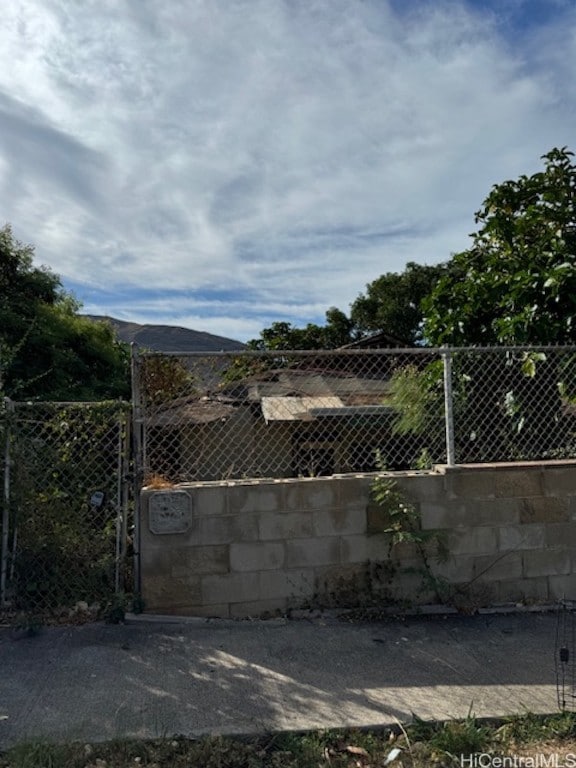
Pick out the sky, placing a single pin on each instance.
(224, 164)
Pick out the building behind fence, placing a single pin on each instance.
(68, 469)
(303, 414)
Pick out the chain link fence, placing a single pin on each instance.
(513, 404)
(65, 512)
(290, 414)
(67, 468)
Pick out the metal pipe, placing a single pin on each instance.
(4, 554)
(138, 475)
(448, 407)
(119, 511)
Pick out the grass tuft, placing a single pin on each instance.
(419, 744)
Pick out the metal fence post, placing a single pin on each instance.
(8, 408)
(120, 512)
(138, 474)
(448, 407)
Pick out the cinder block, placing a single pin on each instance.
(470, 484)
(523, 590)
(303, 553)
(544, 509)
(406, 552)
(209, 499)
(336, 522)
(353, 492)
(289, 525)
(181, 563)
(257, 556)
(258, 608)
(481, 540)
(519, 482)
(559, 481)
(255, 497)
(377, 518)
(159, 560)
(295, 585)
(492, 511)
(531, 536)
(498, 567)
(230, 588)
(409, 586)
(226, 529)
(562, 587)
(456, 570)
(548, 563)
(314, 494)
(359, 548)
(342, 585)
(561, 535)
(468, 598)
(167, 594)
(423, 487)
(292, 501)
(447, 514)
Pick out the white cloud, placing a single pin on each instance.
(285, 152)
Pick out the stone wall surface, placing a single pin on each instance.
(245, 548)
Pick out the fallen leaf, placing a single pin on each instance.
(357, 751)
(392, 755)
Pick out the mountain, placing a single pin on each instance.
(169, 338)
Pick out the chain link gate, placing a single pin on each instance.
(66, 506)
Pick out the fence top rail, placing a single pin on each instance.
(391, 351)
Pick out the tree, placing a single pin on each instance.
(393, 303)
(338, 331)
(47, 350)
(516, 284)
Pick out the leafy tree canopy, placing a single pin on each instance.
(392, 303)
(337, 332)
(47, 350)
(516, 284)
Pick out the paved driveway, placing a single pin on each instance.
(145, 679)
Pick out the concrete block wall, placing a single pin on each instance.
(244, 548)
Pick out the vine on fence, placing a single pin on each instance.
(65, 465)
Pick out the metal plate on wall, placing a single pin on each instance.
(170, 512)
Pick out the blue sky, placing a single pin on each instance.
(221, 164)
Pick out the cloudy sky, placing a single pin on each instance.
(221, 164)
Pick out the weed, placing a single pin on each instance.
(402, 525)
(29, 623)
(138, 603)
(157, 482)
(461, 737)
(39, 754)
(115, 610)
(420, 744)
(528, 727)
